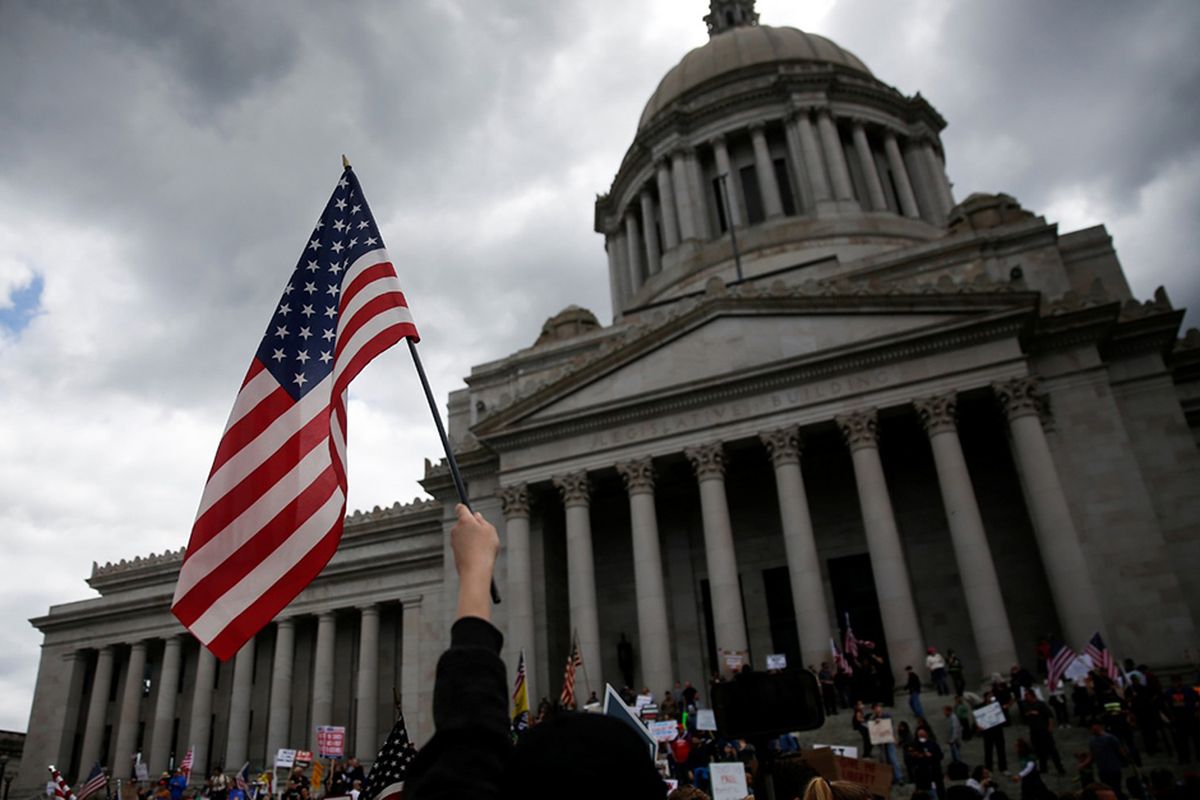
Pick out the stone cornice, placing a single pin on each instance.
(478, 462)
(998, 317)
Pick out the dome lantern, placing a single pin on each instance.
(724, 15)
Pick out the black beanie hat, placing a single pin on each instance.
(582, 756)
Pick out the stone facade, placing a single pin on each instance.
(948, 420)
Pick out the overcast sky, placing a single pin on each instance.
(162, 162)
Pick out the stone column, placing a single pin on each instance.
(814, 165)
(804, 195)
(870, 174)
(977, 571)
(514, 501)
(365, 735)
(633, 241)
(892, 587)
(721, 153)
(666, 202)
(237, 740)
(908, 200)
(1058, 542)
(201, 724)
(654, 635)
(164, 706)
(649, 237)
(616, 278)
(729, 621)
(684, 206)
(937, 178)
(93, 731)
(918, 174)
(279, 713)
(581, 573)
(765, 167)
(410, 668)
(131, 704)
(700, 193)
(322, 691)
(800, 545)
(835, 156)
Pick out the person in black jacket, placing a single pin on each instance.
(471, 755)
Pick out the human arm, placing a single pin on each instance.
(466, 757)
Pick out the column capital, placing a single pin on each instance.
(285, 622)
(575, 488)
(938, 412)
(369, 609)
(140, 644)
(514, 500)
(860, 428)
(328, 613)
(663, 162)
(716, 140)
(638, 475)
(708, 460)
(758, 126)
(783, 444)
(1019, 397)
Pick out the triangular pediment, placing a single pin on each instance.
(735, 338)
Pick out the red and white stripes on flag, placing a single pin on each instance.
(61, 790)
(185, 766)
(1061, 658)
(272, 511)
(840, 664)
(1101, 657)
(574, 662)
(851, 647)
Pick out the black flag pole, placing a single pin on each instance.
(441, 429)
(437, 418)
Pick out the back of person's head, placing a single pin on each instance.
(588, 755)
(790, 775)
(977, 773)
(687, 793)
(821, 789)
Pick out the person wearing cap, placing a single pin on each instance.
(472, 754)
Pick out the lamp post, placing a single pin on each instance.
(737, 258)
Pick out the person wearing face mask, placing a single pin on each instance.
(926, 771)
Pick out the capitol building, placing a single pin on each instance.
(834, 384)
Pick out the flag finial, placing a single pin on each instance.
(345, 162)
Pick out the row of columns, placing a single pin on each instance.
(823, 176)
(1062, 554)
(279, 716)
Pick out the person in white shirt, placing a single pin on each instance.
(937, 670)
(981, 782)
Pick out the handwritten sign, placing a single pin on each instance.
(728, 781)
(706, 719)
(990, 716)
(880, 731)
(284, 757)
(665, 731)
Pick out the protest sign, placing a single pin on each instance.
(642, 700)
(665, 731)
(141, 771)
(331, 740)
(777, 661)
(881, 731)
(303, 758)
(989, 716)
(734, 660)
(285, 758)
(874, 775)
(838, 750)
(728, 781)
(615, 707)
(706, 719)
(1078, 669)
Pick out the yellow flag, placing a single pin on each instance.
(520, 698)
(318, 773)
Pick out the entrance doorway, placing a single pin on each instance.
(854, 594)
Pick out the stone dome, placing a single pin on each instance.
(745, 46)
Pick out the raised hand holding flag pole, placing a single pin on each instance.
(272, 511)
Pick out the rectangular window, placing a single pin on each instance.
(752, 195)
(785, 187)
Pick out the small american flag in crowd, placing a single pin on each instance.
(272, 510)
(61, 790)
(1061, 657)
(851, 647)
(840, 664)
(242, 779)
(386, 779)
(96, 781)
(574, 662)
(185, 766)
(1101, 656)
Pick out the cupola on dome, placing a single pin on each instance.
(741, 46)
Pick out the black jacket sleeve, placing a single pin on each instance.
(467, 754)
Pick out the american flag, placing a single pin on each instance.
(1060, 659)
(272, 510)
(185, 766)
(95, 782)
(840, 664)
(574, 662)
(242, 779)
(1101, 656)
(851, 640)
(386, 779)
